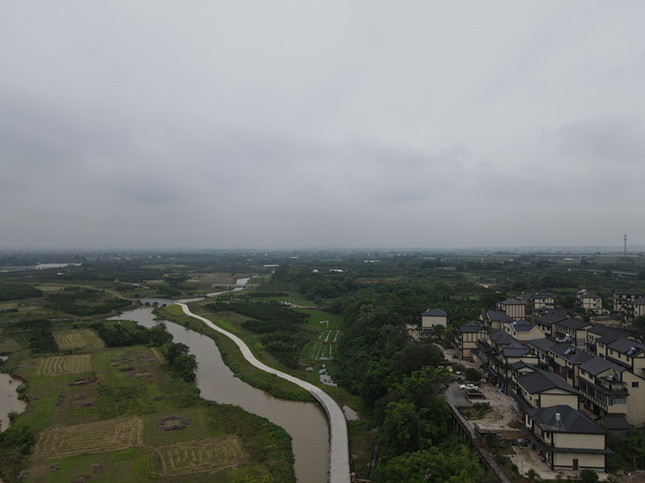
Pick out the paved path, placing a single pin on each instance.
(338, 439)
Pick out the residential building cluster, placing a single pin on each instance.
(575, 382)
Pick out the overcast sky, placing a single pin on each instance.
(288, 124)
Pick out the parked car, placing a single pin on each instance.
(468, 387)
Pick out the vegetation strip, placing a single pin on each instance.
(338, 441)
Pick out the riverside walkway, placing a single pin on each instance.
(338, 439)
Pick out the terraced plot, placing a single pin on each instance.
(196, 456)
(98, 437)
(58, 365)
(78, 339)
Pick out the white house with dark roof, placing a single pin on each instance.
(599, 336)
(540, 388)
(524, 330)
(573, 331)
(589, 301)
(548, 321)
(625, 297)
(567, 439)
(432, 318)
(628, 353)
(513, 307)
(565, 359)
(466, 337)
(609, 388)
(495, 319)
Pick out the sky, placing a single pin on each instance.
(349, 124)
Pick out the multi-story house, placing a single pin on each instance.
(564, 360)
(573, 331)
(513, 307)
(589, 301)
(609, 388)
(540, 348)
(624, 297)
(498, 352)
(628, 353)
(494, 319)
(598, 336)
(433, 317)
(635, 308)
(466, 338)
(523, 330)
(549, 319)
(536, 303)
(540, 388)
(567, 439)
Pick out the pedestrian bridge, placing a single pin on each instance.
(338, 439)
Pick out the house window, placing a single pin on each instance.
(635, 384)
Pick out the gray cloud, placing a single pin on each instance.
(343, 123)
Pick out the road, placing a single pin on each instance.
(338, 438)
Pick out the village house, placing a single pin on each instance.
(564, 360)
(495, 319)
(609, 388)
(625, 297)
(628, 353)
(466, 338)
(548, 321)
(538, 388)
(523, 330)
(589, 301)
(432, 318)
(536, 303)
(599, 336)
(573, 331)
(539, 347)
(567, 439)
(513, 307)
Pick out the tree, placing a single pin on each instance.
(588, 476)
(472, 375)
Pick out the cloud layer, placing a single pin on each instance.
(350, 124)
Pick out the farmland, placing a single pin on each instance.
(78, 339)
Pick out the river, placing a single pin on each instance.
(9, 400)
(305, 422)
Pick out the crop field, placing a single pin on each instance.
(58, 365)
(196, 456)
(78, 339)
(98, 437)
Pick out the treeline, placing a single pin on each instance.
(124, 334)
(84, 302)
(177, 355)
(282, 330)
(17, 291)
(41, 338)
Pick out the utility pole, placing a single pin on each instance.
(625, 244)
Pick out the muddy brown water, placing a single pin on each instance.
(305, 422)
(9, 399)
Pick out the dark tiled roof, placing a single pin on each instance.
(523, 325)
(573, 324)
(514, 351)
(541, 344)
(512, 301)
(590, 295)
(550, 319)
(628, 292)
(571, 420)
(615, 422)
(494, 315)
(540, 381)
(598, 365)
(470, 328)
(571, 353)
(435, 312)
(627, 346)
(500, 337)
(607, 334)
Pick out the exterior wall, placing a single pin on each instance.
(535, 333)
(548, 399)
(636, 399)
(564, 461)
(428, 321)
(517, 311)
(593, 304)
(575, 440)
